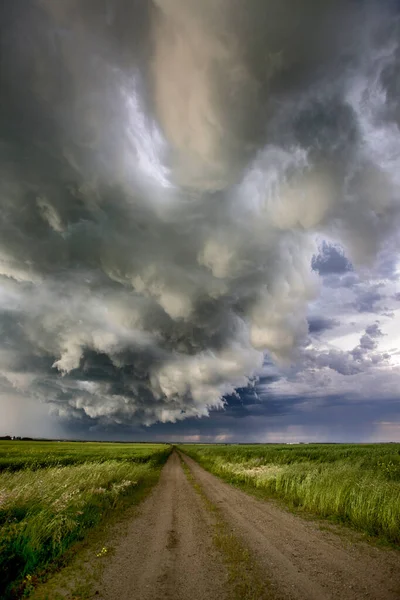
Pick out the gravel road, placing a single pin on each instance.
(167, 551)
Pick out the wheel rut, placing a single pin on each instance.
(168, 553)
(302, 561)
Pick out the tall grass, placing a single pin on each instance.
(16, 455)
(43, 512)
(358, 485)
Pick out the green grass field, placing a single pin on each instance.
(357, 485)
(51, 493)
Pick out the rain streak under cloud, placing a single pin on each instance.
(199, 203)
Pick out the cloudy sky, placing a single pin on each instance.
(200, 219)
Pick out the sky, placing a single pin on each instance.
(200, 220)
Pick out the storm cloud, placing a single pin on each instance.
(166, 175)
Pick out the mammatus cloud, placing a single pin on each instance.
(165, 174)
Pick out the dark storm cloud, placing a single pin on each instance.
(330, 418)
(317, 324)
(164, 171)
(335, 376)
(330, 260)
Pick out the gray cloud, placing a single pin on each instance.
(374, 331)
(317, 324)
(367, 342)
(361, 374)
(164, 174)
(330, 260)
(367, 299)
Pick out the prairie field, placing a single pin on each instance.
(52, 493)
(358, 485)
(196, 536)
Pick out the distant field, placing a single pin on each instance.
(355, 484)
(16, 455)
(51, 493)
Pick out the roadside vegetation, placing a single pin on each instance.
(358, 485)
(52, 493)
(244, 576)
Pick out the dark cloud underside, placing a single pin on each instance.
(166, 175)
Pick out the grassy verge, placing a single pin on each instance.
(43, 513)
(77, 574)
(247, 583)
(361, 489)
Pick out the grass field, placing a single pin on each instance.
(354, 484)
(51, 493)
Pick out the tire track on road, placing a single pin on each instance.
(303, 562)
(167, 551)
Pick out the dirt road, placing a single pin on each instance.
(167, 552)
